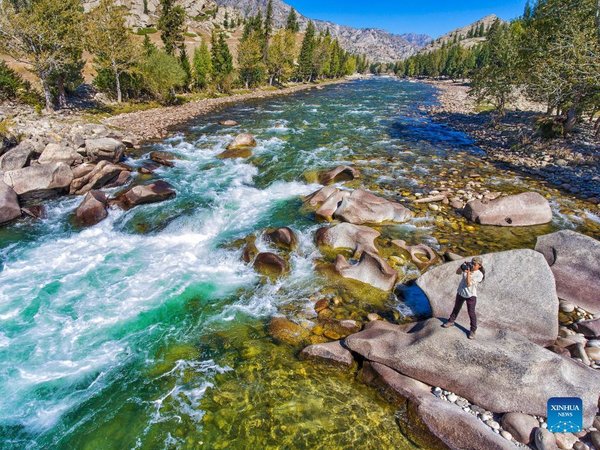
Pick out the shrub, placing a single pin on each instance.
(146, 30)
(132, 84)
(10, 82)
(162, 74)
(549, 127)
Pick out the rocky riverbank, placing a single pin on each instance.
(572, 164)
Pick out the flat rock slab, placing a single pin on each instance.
(500, 370)
(40, 181)
(528, 208)
(447, 422)
(575, 261)
(518, 294)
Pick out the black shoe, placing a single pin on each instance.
(448, 324)
(471, 335)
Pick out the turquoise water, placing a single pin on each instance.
(148, 331)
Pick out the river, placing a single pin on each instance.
(148, 331)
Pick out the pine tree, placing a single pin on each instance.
(109, 40)
(305, 60)
(171, 25)
(292, 22)
(187, 68)
(222, 62)
(148, 46)
(202, 66)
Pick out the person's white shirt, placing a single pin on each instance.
(470, 291)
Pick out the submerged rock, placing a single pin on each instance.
(370, 269)
(93, 209)
(228, 123)
(234, 153)
(243, 140)
(40, 181)
(287, 332)
(146, 193)
(421, 255)
(340, 173)
(9, 203)
(517, 294)
(163, 158)
(528, 208)
(500, 370)
(575, 262)
(357, 238)
(270, 264)
(331, 352)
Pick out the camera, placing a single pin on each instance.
(466, 266)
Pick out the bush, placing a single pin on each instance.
(549, 128)
(162, 74)
(132, 85)
(13, 87)
(145, 31)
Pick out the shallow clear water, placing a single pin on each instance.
(147, 330)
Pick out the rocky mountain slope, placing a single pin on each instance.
(378, 45)
(461, 34)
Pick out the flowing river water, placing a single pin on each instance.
(148, 331)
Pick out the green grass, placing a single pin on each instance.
(5, 127)
(145, 31)
(101, 112)
(188, 34)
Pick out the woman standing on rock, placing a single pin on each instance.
(473, 273)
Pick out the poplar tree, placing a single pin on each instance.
(109, 40)
(281, 56)
(250, 59)
(202, 66)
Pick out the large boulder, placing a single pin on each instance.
(93, 209)
(501, 370)
(40, 181)
(60, 153)
(361, 207)
(326, 201)
(331, 352)
(102, 174)
(340, 173)
(105, 148)
(146, 193)
(283, 237)
(432, 422)
(528, 208)
(270, 264)
(357, 238)
(9, 203)
(517, 294)
(243, 140)
(17, 157)
(370, 269)
(575, 262)
(163, 158)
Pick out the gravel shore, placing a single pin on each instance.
(156, 123)
(571, 164)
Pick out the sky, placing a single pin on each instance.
(432, 17)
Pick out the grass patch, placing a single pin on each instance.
(189, 34)
(484, 107)
(5, 127)
(145, 31)
(103, 111)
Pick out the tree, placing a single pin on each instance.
(202, 66)
(280, 62)
(184, 61)
(46, 35)
(497, 80)
(171, 25)
(162, 74)
(561, 55)
(292, 22)
(222, 61)
(250, 59)
(109, 40)
(268, 31)
(305, 60)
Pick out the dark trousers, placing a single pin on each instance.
(458, 304)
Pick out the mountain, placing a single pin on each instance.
(378, 45)
(466, 36)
